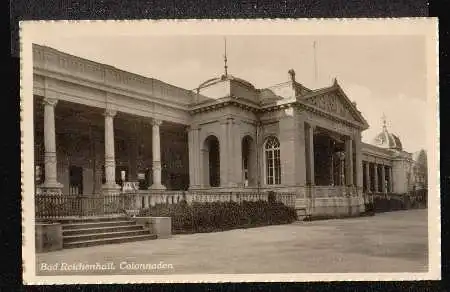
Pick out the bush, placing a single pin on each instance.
(219, 216)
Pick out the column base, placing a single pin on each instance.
(110, 188)
(194, 187)
(157, 187)
(51, 188)
(232, 185)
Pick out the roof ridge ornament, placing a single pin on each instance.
(335, 82)
(292, 75)
(225, 57)
(383, 119)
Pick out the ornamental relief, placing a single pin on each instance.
(332, 103)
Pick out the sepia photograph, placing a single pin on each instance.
(230, 151)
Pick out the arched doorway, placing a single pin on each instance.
(211, 158)
(248, 161)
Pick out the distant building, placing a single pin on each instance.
(420, 170)
(97, 126)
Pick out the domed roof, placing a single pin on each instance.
(223, 78)
(387, 140)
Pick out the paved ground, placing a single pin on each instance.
(388, 242)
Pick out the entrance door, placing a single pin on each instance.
(75, 180)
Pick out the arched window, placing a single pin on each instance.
(273, 165)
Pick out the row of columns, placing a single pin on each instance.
(385, 187)
(110, 185)
(346, 159)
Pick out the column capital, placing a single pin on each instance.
(110, 113)
(192, 128)
(156, 122)
(311, 126)
(50, 101)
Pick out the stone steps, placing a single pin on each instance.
(94, 236)
(83, 232)
(80, 231)
(109, 240)
(111, 223)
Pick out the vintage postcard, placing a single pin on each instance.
(230, 150)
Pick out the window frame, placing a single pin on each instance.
(272, 176)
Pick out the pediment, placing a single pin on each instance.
(337, 103)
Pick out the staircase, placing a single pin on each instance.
(82, 232)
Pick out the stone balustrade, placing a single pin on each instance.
(146, 199)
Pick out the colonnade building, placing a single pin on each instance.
(97, 127)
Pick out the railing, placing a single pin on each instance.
(145, 199)
(58, 205)
(287, 199)
(238, 197)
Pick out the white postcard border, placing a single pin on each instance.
(401, 26)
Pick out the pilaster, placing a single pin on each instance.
(194, 157)
(349, 161)
(310, 153)
(368, 180)
(375, 178)
(358, 167)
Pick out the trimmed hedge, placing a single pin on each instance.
(220, 216)
(405, 202)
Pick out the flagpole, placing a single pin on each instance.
(315, 62)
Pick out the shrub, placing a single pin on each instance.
(219, 216)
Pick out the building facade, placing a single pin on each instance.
(98, 128)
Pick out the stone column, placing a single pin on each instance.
(383, 179)
(156, 156)
(375, 178)
(110, 160)
(348, 161)
(51, 183)
(368, 180)
(310, 153)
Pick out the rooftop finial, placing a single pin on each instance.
(292, 75)
(383, 118)
(225, 57)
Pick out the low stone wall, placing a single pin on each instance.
(316, 201)
(48, 237)
(331, 207)
(337, 206)
(161, 226)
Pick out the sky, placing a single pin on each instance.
(383, 74)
